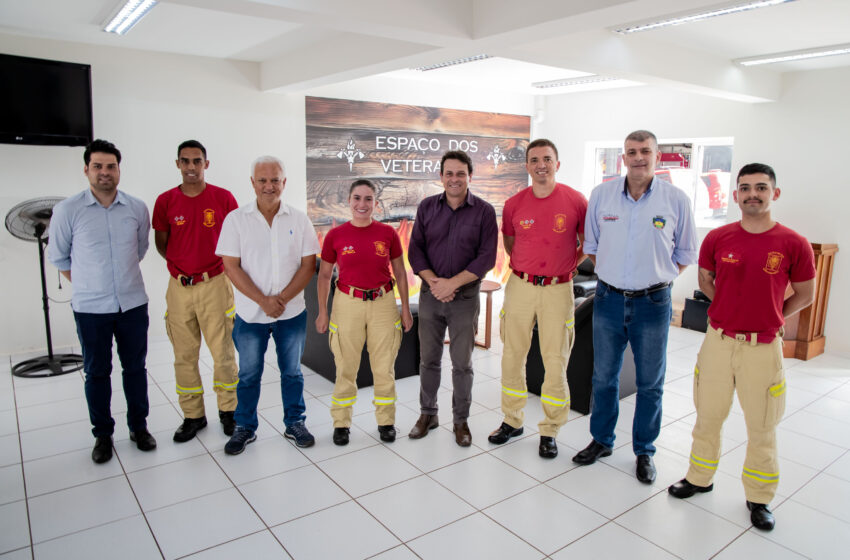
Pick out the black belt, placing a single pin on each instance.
(543, 280)
(637, 293)
(366, 295)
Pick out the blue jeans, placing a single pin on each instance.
(252, 340)
(644, 322)
(130, 329)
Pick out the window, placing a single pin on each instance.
(700, 167)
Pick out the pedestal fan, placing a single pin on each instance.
(28, 221)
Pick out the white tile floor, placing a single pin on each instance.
(410, 499)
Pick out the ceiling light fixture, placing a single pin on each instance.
(455, 62)
(129, 15)
(689, 18)
(788, 56)
(592, 79)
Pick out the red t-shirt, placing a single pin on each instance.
(193, 225)
(545, 230)
(362, 254)
(752, 271)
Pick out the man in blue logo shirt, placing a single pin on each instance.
(640, 234)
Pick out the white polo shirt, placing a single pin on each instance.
(269, 255)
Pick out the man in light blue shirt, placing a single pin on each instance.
(97, 238)
(640, 234)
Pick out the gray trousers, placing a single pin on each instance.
(460, 316)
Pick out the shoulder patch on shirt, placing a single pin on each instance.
(774, 259)
(659, 222)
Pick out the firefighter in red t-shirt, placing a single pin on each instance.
(745, 268)
(364, 309)
(187, 222)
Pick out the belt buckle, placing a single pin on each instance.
(539, 281)
(186, 280)
(368, 295)
(630, 293)
(741, 337)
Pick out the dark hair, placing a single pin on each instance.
(363, 182)
(540, 143)
(459, 155)
(642, 136)
(191, 144)
(101, 146)
(752, 168)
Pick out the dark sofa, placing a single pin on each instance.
(317, 354)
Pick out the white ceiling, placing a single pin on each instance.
(304, 43)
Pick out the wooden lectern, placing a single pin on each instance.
(804, 337)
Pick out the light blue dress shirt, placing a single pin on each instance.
(638, 243)
(102, 247)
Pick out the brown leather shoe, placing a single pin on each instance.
(462, 435)
(426, 422)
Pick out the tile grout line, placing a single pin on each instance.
(21, 455)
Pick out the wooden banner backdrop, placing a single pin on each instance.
(398, 147)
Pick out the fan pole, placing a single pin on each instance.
(40, 233)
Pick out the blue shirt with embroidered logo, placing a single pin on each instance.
(640, 243)
(102, 247)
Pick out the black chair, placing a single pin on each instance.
(317, 353)
(580, 366)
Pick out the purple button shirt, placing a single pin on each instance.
(450, 241)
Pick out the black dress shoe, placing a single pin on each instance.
(341, 436)
(424, 424)
(102, 451)
(760, 516)
(387, 433)
(189, 428)
(144, 440)
(228, 424)
(645, 470)
(504, 433)
(548, 448)
(684, 489)
(591, 453)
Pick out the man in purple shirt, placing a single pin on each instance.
(452, 247)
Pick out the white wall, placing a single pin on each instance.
(147, 103)
(803, 136)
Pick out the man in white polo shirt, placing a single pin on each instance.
(269, 253)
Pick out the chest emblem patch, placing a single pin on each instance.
(381, 249)
(526, 224)
(659, 222)
(348, 250)
(774, 260)
(179, 220)
(560, 223)
(731, 257)
(610, 217)
(209, 217)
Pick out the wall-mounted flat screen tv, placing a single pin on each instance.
(44, 102)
